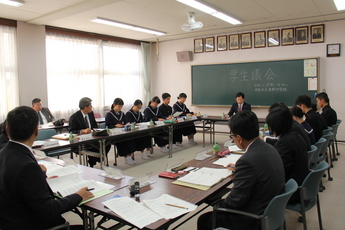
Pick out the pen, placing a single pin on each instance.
(172, 205)
(90, 189)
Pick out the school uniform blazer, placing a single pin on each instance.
(166, 110)
(3, 141)
(234, 108)
(48, 115)
(329, 115)
(259, 176)
(111, 121)
(152, 114)
(26, 200)
(177, 107)
(131, 117)
(317, 122)
(77, 122)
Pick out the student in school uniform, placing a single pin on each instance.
(116, 119)
(290, 145)
(180, 106)
(166, 110)
(316, 121)
(326, 111)
(298, 116)
(239, 105)
(152, 112)
(134, 116)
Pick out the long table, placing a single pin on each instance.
(162, 186)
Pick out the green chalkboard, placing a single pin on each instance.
(263, 82)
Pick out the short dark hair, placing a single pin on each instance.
(137, 102)
(314, 107)
(117, 101)
(165, 95)
(35, 100)
(297, 112)
(182, 95)
(279, 120)
(276, 105)
(155, 99)
(245, 124)
(324, 96)
(239, 94)
(303, 100)
(84, 102)
(21, 123)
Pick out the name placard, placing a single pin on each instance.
(115, 131)
(85, 137)
(142, 127)
(180, 119)
(50, 144)
(194, 118)
(159, 123)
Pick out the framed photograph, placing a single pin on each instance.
(273, 38)
(301, 35)
(246, 40)
(222, 43)
(260, 39)
(287, 36)
(209, 44)
(234, 42)
(198, 45)
(317, 33)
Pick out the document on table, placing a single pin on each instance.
(132, 211)
(232, 158)
(177, 114)
(58, 170)
(169, 207)
(69, 184)
(206, 176)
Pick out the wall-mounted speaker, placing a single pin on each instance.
(183, 56)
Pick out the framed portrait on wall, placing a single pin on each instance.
(260, 39)
(317, 33)
(209, 44)
(234, 42)
(301, 35)
(273, 38)
(222, 43)
(287, 36)
(246, 40)
(198, 45)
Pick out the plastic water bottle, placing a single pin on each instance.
(216, 148)
(152, 123)
(71, 138)
(223, 116)
(106, 128)
(266, 131)
(132, 126)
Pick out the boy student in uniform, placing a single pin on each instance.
(239, 105)
(179, 106)
(298, 116)
(134, 116)
(152, 113)
(166, 110)
(325, 109)
(116, 119)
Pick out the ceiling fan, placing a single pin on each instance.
(192, 24)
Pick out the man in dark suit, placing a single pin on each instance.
(316, 121)
(239, 105)
(258, 176)
(44, 114)
(83, 122)
(26, 199)
(3, 135)
(326, 111)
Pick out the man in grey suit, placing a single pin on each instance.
(44, 114)
(258, 176)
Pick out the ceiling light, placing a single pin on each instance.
(126, 26)
(12, 2)
(211, 11)
(340, 4)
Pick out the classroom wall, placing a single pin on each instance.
(169, 75)
(32, 75)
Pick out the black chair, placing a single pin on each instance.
(65, 226)
(309, 194)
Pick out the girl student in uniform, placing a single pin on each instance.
(152, 113)
(134, 116)
(116, 119)
(180, 106)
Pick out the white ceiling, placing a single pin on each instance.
(168, 15)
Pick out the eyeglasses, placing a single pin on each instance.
(232, 136)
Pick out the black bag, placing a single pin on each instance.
(100, 132)
(59, 122)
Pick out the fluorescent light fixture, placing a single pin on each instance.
(211, 11)
(126, 26)
(340, 4)
(12, 2)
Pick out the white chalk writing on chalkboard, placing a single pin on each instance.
(255, 75)
(270, 75)
(271, 87)
(244, 75)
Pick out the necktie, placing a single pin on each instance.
(239, 108)
(40, 118)
(87, 123)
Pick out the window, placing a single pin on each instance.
(9, 96)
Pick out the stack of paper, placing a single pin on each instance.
(150, 211)
(203, 178)
(58, 170)
(232, 158)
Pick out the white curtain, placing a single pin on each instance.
(146, 70)
(122, 73)
(74, 70)
(9, 96)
